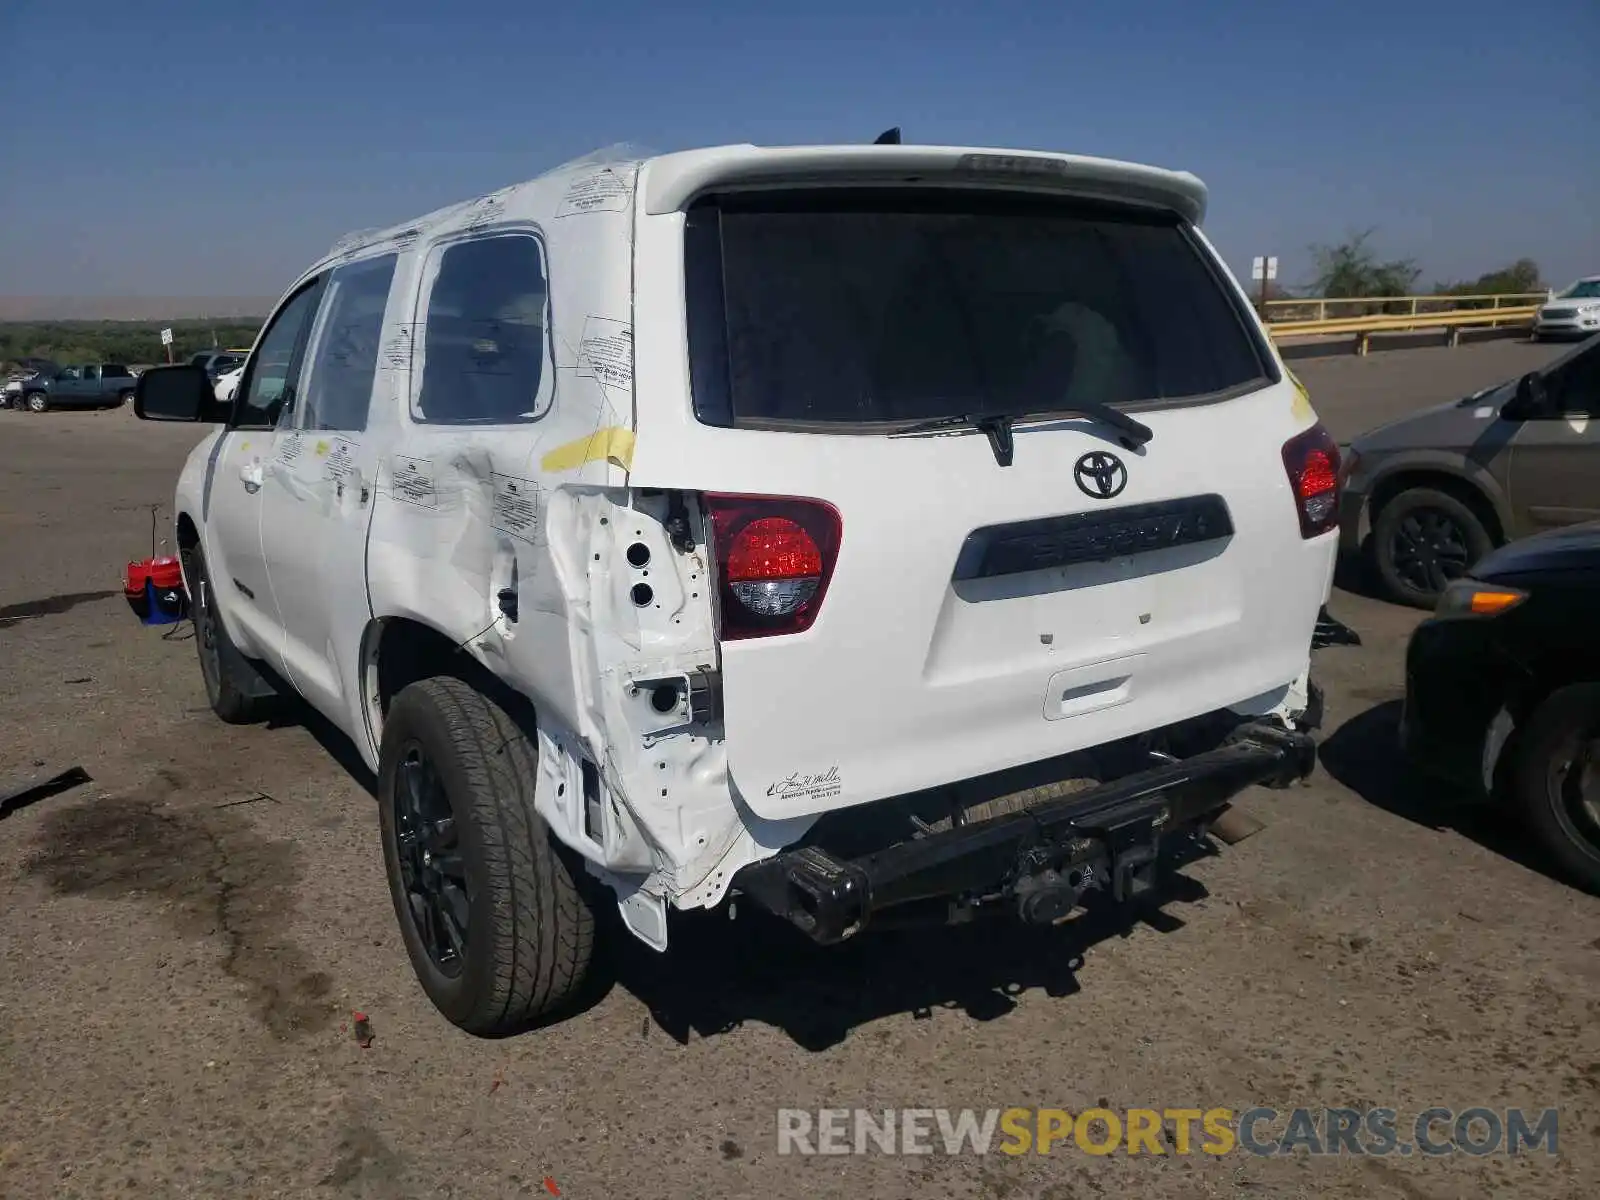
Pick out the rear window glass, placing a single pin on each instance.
(484, 349)
(113, 371)
(873, 308)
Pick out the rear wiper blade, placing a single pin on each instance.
(998, 425)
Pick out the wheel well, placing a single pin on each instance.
(1545, 677)
(406, 651)
(1451, 485)
(188, 535)
(1550, 673)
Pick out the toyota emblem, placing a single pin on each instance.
(1100, 475)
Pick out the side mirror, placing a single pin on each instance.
(177, 393)
(1530, 401)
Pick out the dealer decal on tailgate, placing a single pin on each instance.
(797, 786)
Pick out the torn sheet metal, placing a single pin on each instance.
(613, 614)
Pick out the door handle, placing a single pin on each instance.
(250, 475)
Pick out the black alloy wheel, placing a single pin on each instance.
(1423, 539)
(1574, 782)
(1429, 550)
(1555, 780)
(432, 871)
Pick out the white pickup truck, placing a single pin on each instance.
(871, 532)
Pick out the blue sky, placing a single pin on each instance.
(209, 147)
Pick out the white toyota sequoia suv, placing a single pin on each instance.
(873, 533)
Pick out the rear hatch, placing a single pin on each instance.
(948, 591)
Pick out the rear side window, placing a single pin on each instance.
(485, 351)
(888, 307)
(113, 371)
(343, 360)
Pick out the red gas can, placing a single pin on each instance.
(154, 590)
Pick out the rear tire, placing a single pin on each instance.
(1556, 780)
(494, 922)
(231, 687)
(1421, 540)
(125, 397)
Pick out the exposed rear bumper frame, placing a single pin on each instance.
(1044, 859)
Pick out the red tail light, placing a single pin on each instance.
(1312, 461)
(775, 555)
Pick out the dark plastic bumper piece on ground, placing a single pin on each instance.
(1045, 858)
(20, 793)
(1330, 631)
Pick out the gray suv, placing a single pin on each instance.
(1439, 489)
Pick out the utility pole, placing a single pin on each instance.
(1263, 267)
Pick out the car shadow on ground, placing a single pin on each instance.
(49, 606)
(291, 712)
(1353, 573)
(1364, 755)
(719, 974)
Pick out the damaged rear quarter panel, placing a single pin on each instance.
(610, 616)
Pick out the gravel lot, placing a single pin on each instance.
(184, 940)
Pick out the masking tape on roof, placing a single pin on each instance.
(614, 444)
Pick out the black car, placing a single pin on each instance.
(1503, 690)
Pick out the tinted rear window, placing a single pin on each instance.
(890, 307)
(114, 371)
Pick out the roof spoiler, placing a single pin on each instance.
(677, 179)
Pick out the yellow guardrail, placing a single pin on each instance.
(1396, 305)
(1415, 312)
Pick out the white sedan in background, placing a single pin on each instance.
(1572, 313)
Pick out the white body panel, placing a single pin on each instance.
(906, 680)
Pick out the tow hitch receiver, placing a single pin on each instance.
(1042, 859)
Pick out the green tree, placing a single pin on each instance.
(130, 342)
(1352, 268)
(1521, 276)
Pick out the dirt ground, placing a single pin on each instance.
(183, 941)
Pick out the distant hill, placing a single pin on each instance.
(133, 308)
